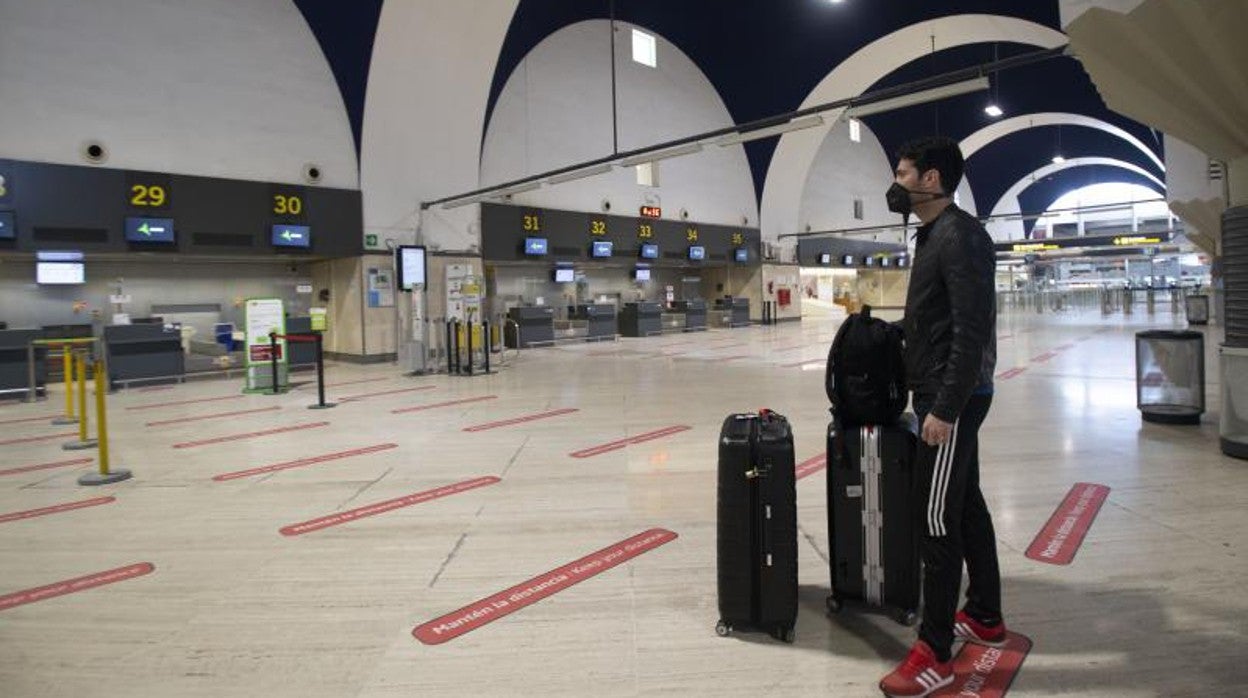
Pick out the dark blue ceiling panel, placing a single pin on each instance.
(345, 31)
(1039, 196)
(762, 56)
(993, 170)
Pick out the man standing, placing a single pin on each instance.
(951, 349)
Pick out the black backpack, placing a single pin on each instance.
(866, 373)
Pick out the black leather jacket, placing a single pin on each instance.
(951, 313)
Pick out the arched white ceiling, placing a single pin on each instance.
(999, 129)
(1009, 200)
(786, 175)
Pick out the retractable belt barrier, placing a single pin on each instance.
(65, 344)
(314, 338)
(461, 333)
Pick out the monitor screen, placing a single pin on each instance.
(535, 246)
(847, 260)
(886, 261)
(641, 274)
(411, 265)
(649, 251)
(60, 273)
(601, 248)
(869, 261)
(153, 230)
(825, 258)
(903, 261)
(292, 236)
(743, 254)
(8, 226)
(697, 252)
(565, 275)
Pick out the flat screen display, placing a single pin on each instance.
(886, 261)
(697, 253)
(535, 246)
(903, 261)
(869, 261)
(153, 230)
(601, 248)
(8, 226)
(742, 254)
(292, 236)
(565, 275)
(847, 260)
(60, 273)
(649, 251)
(641, 274)
(411, 265)
(825, 258)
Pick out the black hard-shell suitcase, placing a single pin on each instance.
(872, 528)
(757, 517)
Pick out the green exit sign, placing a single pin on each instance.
(370, 240)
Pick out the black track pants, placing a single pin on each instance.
(956, 527)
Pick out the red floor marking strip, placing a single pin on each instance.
(475, 615)
(986, 672)
(47, 466)
(521, 420)
(1013, 372)
(251, 435)
(811, 465)
(25, 420)
(350, 515)
(302, 462)
(365, 396)
(357, 382)
(449, 403)
(1064, 347)
(157, 405)
(36, 439)
(1043, 357)
(800, 363)
(728, 346)
(214, 415)
(1062, 535)
(727, 358)
(69, 586)
(155, 388)
(56, 509)
(640, 438)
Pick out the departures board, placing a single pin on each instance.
(104, 210)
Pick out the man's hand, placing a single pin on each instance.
(936, 431)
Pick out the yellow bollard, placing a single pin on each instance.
(105, 475)
(80, 360)
(67, 367)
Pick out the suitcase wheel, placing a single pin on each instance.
(722, 629)
(906, 617)
(833, 604)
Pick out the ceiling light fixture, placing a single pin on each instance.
(993, 110)
(580, 174)
(759, 133)
(920, 97)
(687, 149)
(1058, 159)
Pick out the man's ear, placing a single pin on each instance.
(931, 180)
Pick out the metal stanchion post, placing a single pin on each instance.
(80, 360)
(105, 475)
(458, 365)
(489, 343)
(320, 375)
(450, 360)
(32, 394)
(273, 358)
(468, 338)
(67, 367)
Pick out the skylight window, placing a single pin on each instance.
(855, 130)
(644, 49)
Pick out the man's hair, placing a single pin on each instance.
(936, 153)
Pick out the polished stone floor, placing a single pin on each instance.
(1153, 604)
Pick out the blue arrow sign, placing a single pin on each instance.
(292, 236)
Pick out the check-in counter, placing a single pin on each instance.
(641, 319)
(139, 352)
(736, 310)
(533, 324)
(695, 313)
(300, 353)
(600, 318)
(14, 369)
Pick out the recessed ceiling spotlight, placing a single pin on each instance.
(1058, 159)
(993, 110)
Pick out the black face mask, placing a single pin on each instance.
(899, 200)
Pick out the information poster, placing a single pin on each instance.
(262, 316)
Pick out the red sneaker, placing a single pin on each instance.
(972, 630)
(919, 675)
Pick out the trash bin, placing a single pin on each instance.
(1170, 376)
(1197, 309)
(1234, 427)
